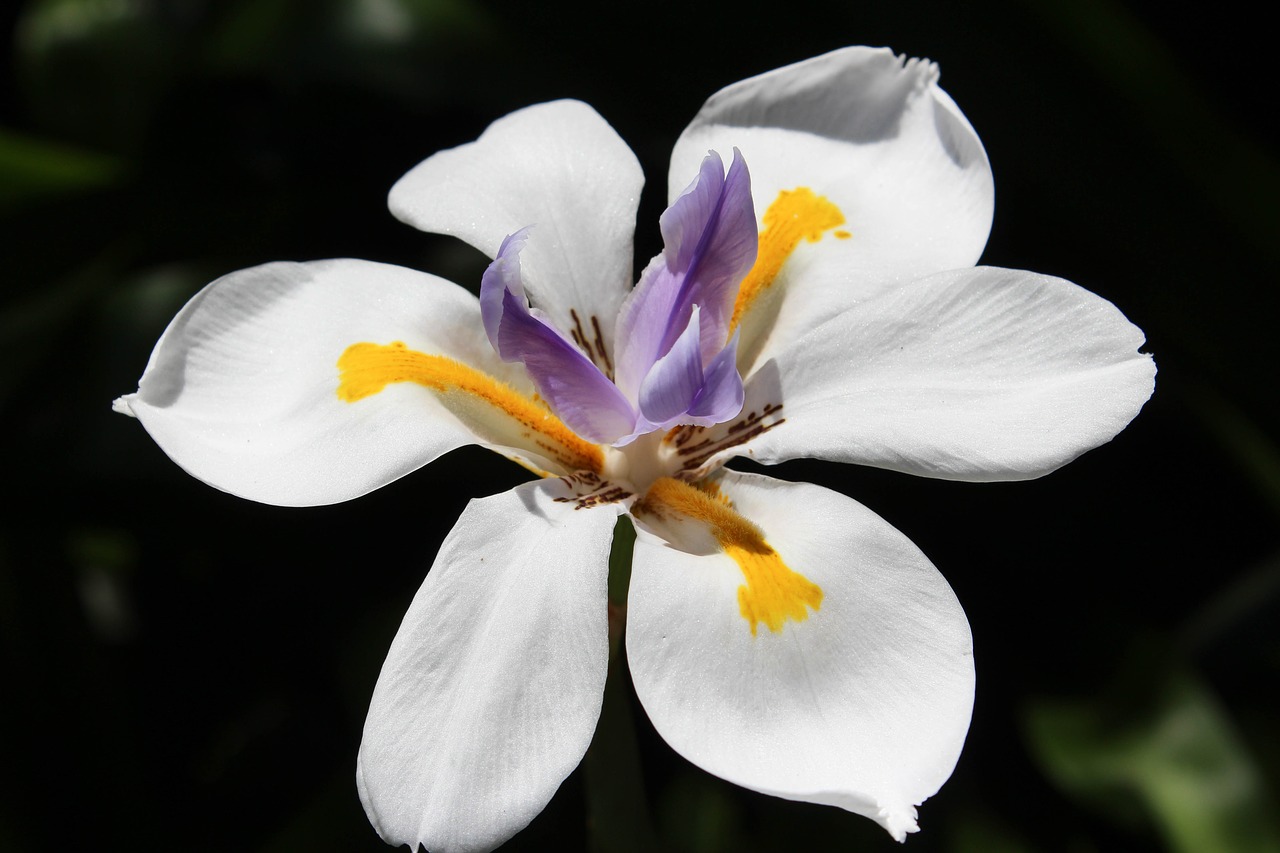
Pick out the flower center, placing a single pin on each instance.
(674, 413)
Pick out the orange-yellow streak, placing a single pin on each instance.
(773, 592)
(364, 369)
(793, 216)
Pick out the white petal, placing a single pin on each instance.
(492, 688)
(241, 390)
(863, 705)
(559, 167)
(876, 136)
(981, 374)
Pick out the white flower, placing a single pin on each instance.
(821, 304)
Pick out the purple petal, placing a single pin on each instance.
(678, 390)
(675, 379)
(577, 391)
(710, 242)
(721, 395)
(710, 233)
(644, 322)
(500, 278)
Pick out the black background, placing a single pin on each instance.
(182, 669)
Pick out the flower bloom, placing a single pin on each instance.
(815, 297)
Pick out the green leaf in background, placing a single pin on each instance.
(700, 815)
(93, 71)
(976, 830)
(33, 169)
(1161, 746)
(384, 46)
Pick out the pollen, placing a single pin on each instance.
(794, 216)
(773, 592)
(493, 408)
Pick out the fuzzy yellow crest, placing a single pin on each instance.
(495, 410)
(773, 592)
(793, 216)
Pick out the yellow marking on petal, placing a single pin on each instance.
(795, 215)
(773, 592)
(364, 369)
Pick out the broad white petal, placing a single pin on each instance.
(864, 704)
(241, 389)
(492, 688)
(560, 168)
(874, 135)
(981, 374)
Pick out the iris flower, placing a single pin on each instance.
(816, 296)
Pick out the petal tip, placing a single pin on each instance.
(898, 822)
(124, 405)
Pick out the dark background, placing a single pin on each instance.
(180, 669)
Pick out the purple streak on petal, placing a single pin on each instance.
(721, 395)
(675, 379)
(577, 391)
(710, 242)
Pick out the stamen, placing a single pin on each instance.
(696, 445)
(364, 369)
(603, 353)
(793, 216)
(580, 336)
(591, 490)
(593, 347)
(773, 593)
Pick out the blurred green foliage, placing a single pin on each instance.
(182, 669)
(31, 170)
(1158, 747)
